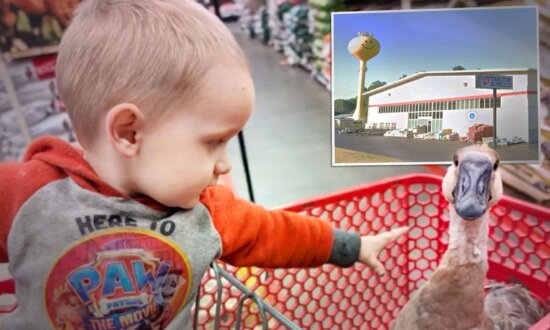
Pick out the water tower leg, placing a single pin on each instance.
(359, 112)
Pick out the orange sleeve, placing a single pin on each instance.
(252, 235)
(18, 182)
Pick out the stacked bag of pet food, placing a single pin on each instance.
(275, 11)
(297, 38)
(32, 27)
(40, 106)
(320, 26)
(320, 17)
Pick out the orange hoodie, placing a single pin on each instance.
(73, 239)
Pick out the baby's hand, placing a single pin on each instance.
(372, 245)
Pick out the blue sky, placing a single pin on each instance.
(434, 40)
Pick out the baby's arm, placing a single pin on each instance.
(254, 236)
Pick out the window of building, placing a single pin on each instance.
(482, 103)
(498, 102)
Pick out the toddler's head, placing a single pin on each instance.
(154, 89)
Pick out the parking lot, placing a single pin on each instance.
(414, 150)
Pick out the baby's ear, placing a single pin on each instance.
(123, 124)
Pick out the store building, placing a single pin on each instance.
(450, 99)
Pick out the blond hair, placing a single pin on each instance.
(147, 52)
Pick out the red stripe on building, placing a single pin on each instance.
(457, 98)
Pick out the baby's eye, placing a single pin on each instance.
(217, 142)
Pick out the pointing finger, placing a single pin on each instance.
(392, 235)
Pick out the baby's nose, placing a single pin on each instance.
(223, 166)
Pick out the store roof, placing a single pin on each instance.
(423, 74)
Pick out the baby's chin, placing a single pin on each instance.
(174, 200)
(189, 204)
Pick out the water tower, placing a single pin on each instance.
(363, 47)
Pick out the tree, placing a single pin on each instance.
(403, 76)
(375, 84)
(342, 106)
(458, 68)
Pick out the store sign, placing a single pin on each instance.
(494, 81)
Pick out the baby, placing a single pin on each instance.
(127, 226)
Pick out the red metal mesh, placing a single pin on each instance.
(336, 298)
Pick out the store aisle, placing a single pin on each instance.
(288, 136)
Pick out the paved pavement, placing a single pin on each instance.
(414, 150)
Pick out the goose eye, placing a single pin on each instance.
(496, 165)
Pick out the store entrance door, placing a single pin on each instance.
(426, 121)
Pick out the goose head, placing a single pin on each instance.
(472, 184)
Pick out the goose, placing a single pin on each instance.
(453, 297)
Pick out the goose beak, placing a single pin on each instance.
(472, 191)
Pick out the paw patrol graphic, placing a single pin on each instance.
(119, 279)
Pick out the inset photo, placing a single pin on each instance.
(412, 87)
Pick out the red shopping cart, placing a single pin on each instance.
(334, 298)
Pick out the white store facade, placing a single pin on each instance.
(450, 99)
